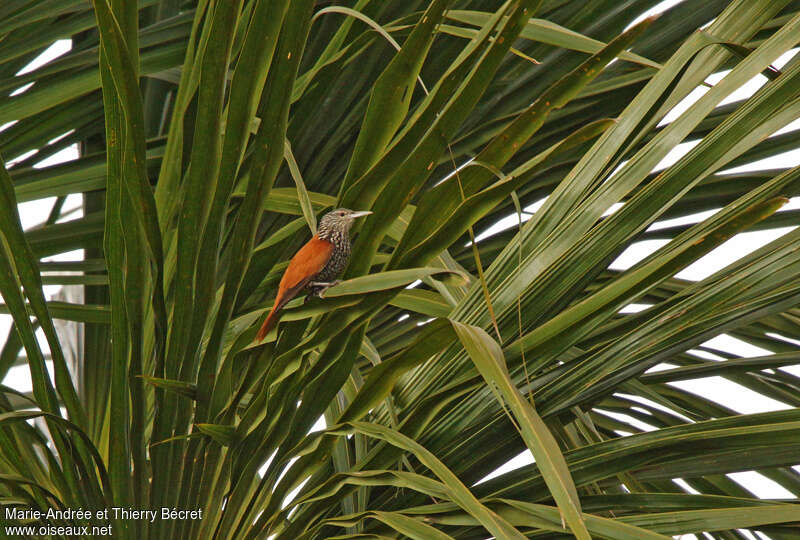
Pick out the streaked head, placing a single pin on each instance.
(339, 220)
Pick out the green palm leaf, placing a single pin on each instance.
(207, 138)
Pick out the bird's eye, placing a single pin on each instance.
(341, 214)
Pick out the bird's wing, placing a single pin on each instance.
(307, 263)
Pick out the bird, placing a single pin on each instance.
(317, 264)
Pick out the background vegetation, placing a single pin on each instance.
(212, 132)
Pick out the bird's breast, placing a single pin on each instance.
(338, 261)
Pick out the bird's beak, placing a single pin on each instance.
(360, 214)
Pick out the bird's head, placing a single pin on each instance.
(339, 221)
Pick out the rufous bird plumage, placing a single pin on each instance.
(316, 265)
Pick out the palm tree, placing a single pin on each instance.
(211, 135)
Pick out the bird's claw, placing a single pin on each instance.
(317, 288)
(324, 284)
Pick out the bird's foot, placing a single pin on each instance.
(318, 288)
(322, 285)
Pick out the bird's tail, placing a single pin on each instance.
(269, 324)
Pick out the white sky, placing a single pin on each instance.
(718, 389)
